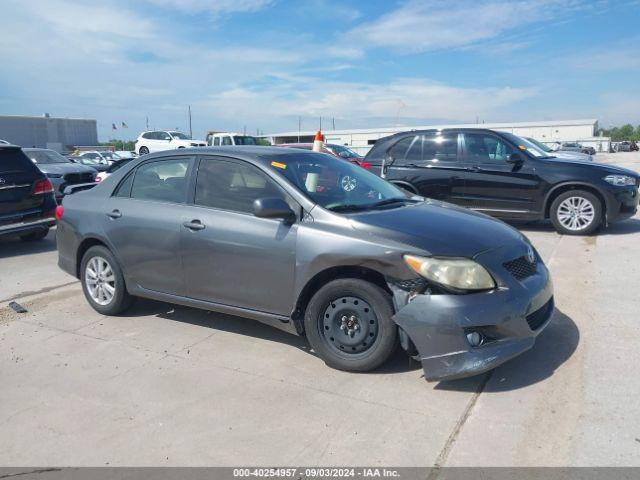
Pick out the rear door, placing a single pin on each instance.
(144, 223)
(430, 164)
(18, 175)
(493, 184)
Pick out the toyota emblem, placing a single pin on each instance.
(530, 255)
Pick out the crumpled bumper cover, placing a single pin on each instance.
(437, 324)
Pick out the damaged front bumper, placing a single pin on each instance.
(507, 318)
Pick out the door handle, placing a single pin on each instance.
(194, 225)
(114, 214)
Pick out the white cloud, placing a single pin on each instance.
(419, 26)
(354, 102)
(213, 6)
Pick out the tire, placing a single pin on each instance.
(364, 343)
(143, 151)
(576, 212)
(35, 236)
(120, 299)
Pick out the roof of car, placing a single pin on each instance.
(255, 154)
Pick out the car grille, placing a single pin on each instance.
(521, 267)
(73, 178)
(540, 316)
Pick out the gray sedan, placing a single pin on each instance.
(312, 245)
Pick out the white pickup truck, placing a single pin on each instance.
(217, 139)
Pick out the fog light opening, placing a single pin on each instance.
(475, 339)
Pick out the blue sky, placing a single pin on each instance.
(261, 64)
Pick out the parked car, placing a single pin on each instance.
(624, 146)
(91, 159)
(60, 170)
(559, 153)
(114, 167)
(312, 245)
(570, 147)
(508, 177)
(126, 154)
(332, 149)
(158, 141)
(634, 146)
(588, 150)
(230, 139)
(27, 203)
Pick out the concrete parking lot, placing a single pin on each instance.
(169, 385)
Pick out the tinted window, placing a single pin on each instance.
(147, 135)
(232, 186)
(13, 160)
(163, 136)
(226, 141)
(440, 147)
(486, 148)
(118, 165)
(45, 156)
(164, 181)
(216, 141)
(400, 149)
(124, 189)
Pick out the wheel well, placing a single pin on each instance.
(82, 249)
(324, 277)
(566, 188)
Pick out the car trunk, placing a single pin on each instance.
(17, 178)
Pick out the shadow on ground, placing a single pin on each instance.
(553, 347)
(623, 227)
(398, 363)
(14, 247)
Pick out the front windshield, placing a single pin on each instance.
(180, 136)
(44, 157)
(111, 156)
(347, 152)
(245, 140)
(338, 185)
(540, 145)
(93, 159)
(524, 144)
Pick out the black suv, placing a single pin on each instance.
(27, 204)
(506, 176)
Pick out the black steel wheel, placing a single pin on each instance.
(348, 323)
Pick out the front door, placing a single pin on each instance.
(144, 224)
(493, 184)
(430, 164)
(230, 256)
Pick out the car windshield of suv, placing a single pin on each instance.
(111, 156)
(540, 145)
(180, 136)
(44, 157)
(245, 140)
(92, 159)
(524, 144)
(344, 151)
(338, 185)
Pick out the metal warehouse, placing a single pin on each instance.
(60, 134)
(549, 132)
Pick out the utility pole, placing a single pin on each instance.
(147, 122)
(320, 123)
(244, 130)
(333, 123)
(299, 127)
(190, 129)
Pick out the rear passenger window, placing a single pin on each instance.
(440, 148)
(163, 181)
(400, 149)
(226, 140)
(232, 186)
(216, 141)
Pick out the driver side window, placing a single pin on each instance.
(486, 148)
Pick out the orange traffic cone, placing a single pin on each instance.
(318, 142)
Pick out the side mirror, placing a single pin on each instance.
(387, 161)
(273, 208)
(515, 158)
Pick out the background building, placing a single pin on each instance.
(549, 132)
(60, 134)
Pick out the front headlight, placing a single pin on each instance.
(459, 273)
(620, 180)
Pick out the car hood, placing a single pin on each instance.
(64, 168)
(572, 156)
(439, 228)
(606, 169)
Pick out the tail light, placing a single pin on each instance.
(366, 165)
(42, 186)
(98, 179)
(59, 212)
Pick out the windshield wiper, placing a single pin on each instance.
(349, 207)
(389, 201)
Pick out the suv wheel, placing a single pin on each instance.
(576, 212)
(348, 323)
(35, 236)
(103, 283)
(143, 151)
